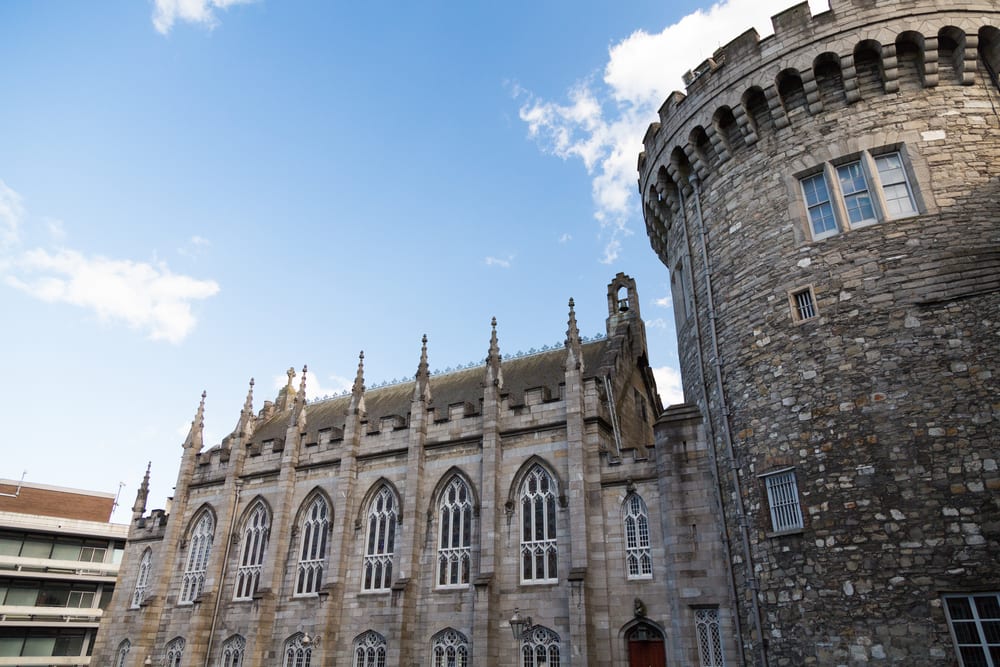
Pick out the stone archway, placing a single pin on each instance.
(645, 646)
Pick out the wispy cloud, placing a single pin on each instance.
(194, 247)
(56, 229)
(665, 302)
(503, 263)
(565, 238)
(202, 12)
(657, 323)
(668, 384)
(11, 215)
(602, 123)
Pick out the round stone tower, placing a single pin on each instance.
(827, 202)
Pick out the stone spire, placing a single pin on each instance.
(422, 386)
(139, 507)
(245, 426)
(357, 404)
(298, 415)
(494, 376)
(194, 436)
(286, 394)
(574, 347)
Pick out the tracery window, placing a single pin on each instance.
(312, 555)
(297, 652)
(450, 649)
(455, 535)
(199, 549)
(254, 544)
(539, 555)
(638, 559)
(142, 578)
(380, 542)
(175, 651)
(233, 650)
(369, 650)
(539, 647)
(709, 637)
(122, 653)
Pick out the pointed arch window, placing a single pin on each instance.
(312, 554)
(122, 653)
(539, 647)
(455, 535)
(638, 559)
(450, 649)
(233, 650)
(380, 540)
(175, 651)
(142, 578)
(297, 653)
(254, 544)
(369, 650)
(539, 554)
(199, 549)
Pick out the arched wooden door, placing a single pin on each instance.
(645, 646)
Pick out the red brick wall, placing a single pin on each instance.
(49, 502)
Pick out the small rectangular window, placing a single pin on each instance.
(803, 304)
(895, 187)
(783, 501)
(818, 203)
(974, 621)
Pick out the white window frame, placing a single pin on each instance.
(635, 523)
(782, 490)
(174, 652)
(142, 578)
(199, 550)
(710, 653)
(297, 653)
(449, 648)
(380, 541)
(253, 548)
(121, 654)
(540, 647)
(369, 650)
(233, 650)
(454, 568)
(315, 534)
(539, 549)
(972, 621)
(859, 184)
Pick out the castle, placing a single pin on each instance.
(827, 202)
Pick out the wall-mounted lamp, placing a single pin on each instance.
(519, 624)
(306, 639)
(147, 661)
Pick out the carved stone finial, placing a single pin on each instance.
(493, 374)
(574, 351)
(359, 378)
(291, 375)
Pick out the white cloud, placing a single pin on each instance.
(665, 302)
(11, 215)
(499, 261)
(144, 296)
(603, 122)
(658, 323)
(668, 384)
(194, 247)
(167, 12)
(56, 229)
(330, 385)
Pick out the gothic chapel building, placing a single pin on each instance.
(517, 512)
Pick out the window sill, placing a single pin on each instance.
(540, 582)
(784, 533)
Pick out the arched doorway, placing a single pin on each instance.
(645, 646)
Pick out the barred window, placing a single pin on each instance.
(142, 578)
(638, 559)
(199, 549)
(539, 554)
(803, 304)
(455, 535)
(253, 546)
(380, 542)
(233, 650)
(122, 653)
(175, 651)
(451, 649)
(709, 637)
(312, 555)
(974, 620)
(783, 501)
(298, 653)
(540, 647)
(369, 650)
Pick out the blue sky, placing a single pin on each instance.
(194, 192)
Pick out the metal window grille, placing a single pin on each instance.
(297, 654)
(539, 554)
(450, 649)
(805, 305)
(455, 535)
(199, 549)
(312, 555)
(142, 579)
(233, 650)
(369, 650)
(975, 628)
(381, 538)
(783, 499)
(709, 637)
(175, 651)
(252, 554)
(638, 558)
